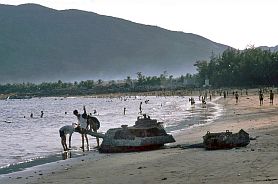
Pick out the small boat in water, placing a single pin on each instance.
(226, 140)
(146, 134)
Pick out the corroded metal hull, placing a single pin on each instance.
(112, 144)
(146, 134)
(226, 140)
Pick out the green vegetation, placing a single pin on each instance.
(141, 84)
(248, 68)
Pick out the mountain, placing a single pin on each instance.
(42, 44)
(272, 49)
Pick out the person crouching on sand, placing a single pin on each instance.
(83, 125)
(67, 129)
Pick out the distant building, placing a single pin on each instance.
(206, 83)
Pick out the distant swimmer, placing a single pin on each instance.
(31, 115)
(124, 110)
(42, 114)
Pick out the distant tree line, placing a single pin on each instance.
(251, 67)
(141, 84)
(248, 68)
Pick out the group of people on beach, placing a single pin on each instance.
(236, 95)
(85, 123)
(261, 96)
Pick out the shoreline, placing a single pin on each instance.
(258, 162)
(168, 92)
(198, 117)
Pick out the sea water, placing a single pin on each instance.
(24, 138)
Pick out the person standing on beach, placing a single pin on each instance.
(83, 125)
(192, 101)
(94, 125)
(64, 131)
(140, 108)
(261, 97)
(271, 97)
(236, 95)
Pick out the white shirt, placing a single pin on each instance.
(82, 122)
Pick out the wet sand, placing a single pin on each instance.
(256, 163)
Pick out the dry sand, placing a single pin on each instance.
(256, 163)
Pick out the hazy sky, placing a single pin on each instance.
(237, 23)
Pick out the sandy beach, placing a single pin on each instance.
(255, 163)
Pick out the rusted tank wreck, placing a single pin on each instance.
(146, 134)
(226, 140)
